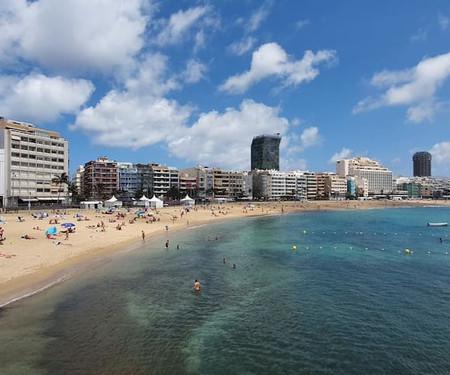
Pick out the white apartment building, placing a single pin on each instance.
(77, 178)
(30, 158)
(275, 185)
(335, 187)
(163, 178)
(379, 179)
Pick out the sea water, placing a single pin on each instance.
(311, 293)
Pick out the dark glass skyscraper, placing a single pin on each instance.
(265, 152)
(422, 164)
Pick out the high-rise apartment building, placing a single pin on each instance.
(77, 179)
(128, 179)
(163, 178)
(422, 164)
(101, 178)
(265, 152)
(30, 158)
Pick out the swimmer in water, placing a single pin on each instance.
(197, 286)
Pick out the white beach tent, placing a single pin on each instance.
(187, 201)
(156, 202)
(143, 201)
(113, 202)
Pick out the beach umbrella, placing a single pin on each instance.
(140, 212)
(67, 225)
(51, 230)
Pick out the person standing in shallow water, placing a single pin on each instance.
(197, 286)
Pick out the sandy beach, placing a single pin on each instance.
(29, 261)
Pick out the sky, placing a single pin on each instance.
(186, 83)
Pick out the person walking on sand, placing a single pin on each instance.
(143, 236)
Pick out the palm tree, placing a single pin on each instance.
(60, 180)
(72, 190)
(99, 191)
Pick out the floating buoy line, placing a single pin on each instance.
(405, 251)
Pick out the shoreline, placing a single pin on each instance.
(38, 264)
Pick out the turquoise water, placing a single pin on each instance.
(347, 301)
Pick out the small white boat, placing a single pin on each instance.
(437, 224)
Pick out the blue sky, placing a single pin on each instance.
(188, 83)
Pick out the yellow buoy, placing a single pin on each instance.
(304, 232)
(407, 251)
(294, 247)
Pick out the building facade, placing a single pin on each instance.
(379, 179)
(128, 179)
(265, 152)
(163, 178)
(276, 185)
(187, 184)
(422, 164)
(30, 158)
(101, 179)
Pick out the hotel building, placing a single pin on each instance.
(379, 179)
(30, 158)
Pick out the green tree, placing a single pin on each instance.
(99, 191)
(60, 180)
(173, 193)
(72, 190)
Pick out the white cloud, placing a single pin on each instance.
(441, 153)
(415, 88)
(122, 119)
(310, 137)
(224, 139)
(420, 36)
(443, 21)
(290, 164)
(242, 46)
(294, 144)
(421, 112)
(297, 121)
(343, 154)
(39, 98)
(387, 78)
(152, 76)
(195, 71)
(271, 60)
(257, 18)
(301, 24)
(182, 23)
(72, 35)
